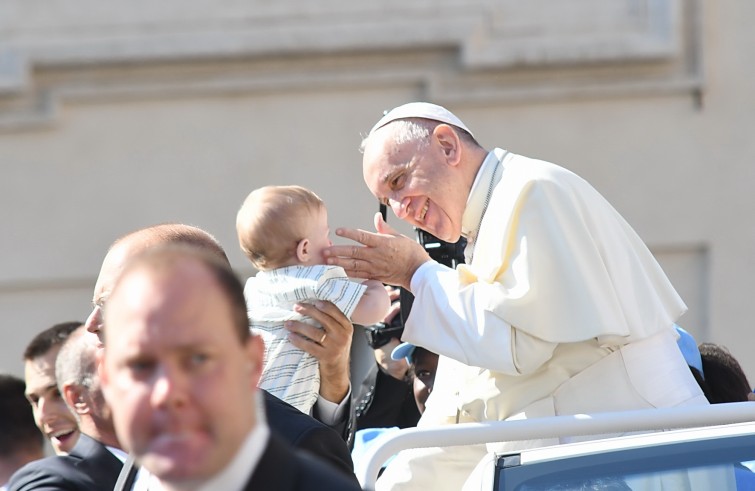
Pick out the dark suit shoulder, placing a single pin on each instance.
(283, 468)
(306, 433)
(89, 466)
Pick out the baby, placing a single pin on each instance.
(283, 230)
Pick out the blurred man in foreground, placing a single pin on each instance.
(180, 370)
(295, 427)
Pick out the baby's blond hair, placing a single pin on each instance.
(272, 221)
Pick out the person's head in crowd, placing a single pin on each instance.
(724, 378)
(422, 367)
(79, 384)
(421, 160)
(20, 440)
(281, 226)
(179, 365)
(51, 414)
(135, 242)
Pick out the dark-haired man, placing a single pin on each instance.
(95, 461)
(51, 414)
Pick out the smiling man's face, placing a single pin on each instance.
(51, 414)
(418, 180)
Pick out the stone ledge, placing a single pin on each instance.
(451, 50)
(500, 34)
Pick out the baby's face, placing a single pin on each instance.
(319, 237)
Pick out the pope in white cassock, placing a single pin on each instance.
(560, 309)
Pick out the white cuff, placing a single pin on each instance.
(329, 412)
(422, 273)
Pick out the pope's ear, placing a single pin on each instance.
(449, 143)
(302, 250)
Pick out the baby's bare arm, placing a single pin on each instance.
(373, 306)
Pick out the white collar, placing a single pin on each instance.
(119, 454)
(479, 194)
(237, 473)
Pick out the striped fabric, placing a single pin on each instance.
(290, 373)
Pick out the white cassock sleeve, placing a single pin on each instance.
(455, 322)
(553, 263)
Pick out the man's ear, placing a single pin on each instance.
(74, 397)
(302, 250)
(449, 143)
(255, 352)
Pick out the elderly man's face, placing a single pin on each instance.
(417, 182)
(111, 267)
(179, 380)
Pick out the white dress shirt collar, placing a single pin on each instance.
(119, 454)
(238, 472)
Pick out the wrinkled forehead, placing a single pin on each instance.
(382, 156)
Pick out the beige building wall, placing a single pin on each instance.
(116, 118)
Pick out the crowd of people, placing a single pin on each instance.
(183, 377)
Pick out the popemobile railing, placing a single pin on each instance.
(657, 419)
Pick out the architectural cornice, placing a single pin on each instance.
(503, 50)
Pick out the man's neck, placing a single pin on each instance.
(106, 436)
(473, 160)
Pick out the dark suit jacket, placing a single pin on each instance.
(282, 468)
(306, 433)
(384, 401)
(89, 466)
(345, 428)
(299, 431)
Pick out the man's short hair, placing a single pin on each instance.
(76, 362)
(50, 338)
(725, 380)
(18, 431)
(165, 258)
